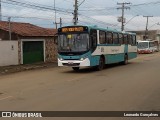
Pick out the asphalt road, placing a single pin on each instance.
(131, 87)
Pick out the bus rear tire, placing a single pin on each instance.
(125, 62)
(101, 64)
(75, 68)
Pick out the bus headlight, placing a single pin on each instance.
(82, 59)
(61, 59)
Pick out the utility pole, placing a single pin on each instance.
(9, 24)
(75, 14)
(122, 17)
(0, 10)
(60, 23)
(146, 31)
(55, 14)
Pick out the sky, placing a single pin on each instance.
(103, 13)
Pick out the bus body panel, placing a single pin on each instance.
(126, 49)
(132, 51)
(112, 53)
(94, 60)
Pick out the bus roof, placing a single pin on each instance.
(104, 29)
(145, 41)
(110, 29)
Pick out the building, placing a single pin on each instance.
(151, 34)
(35, 44)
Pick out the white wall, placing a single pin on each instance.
(8, 53)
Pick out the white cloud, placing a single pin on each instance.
(108, 16)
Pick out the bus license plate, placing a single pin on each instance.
(70, 63)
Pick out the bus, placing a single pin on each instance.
(146, 47)
(156, 43)
(91, 46)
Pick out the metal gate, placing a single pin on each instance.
(33, 52)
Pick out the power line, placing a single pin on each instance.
(98, 21)
(29, 17)
(35, 6)
(146, 3)
(81, 3)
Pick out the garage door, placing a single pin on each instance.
(32, 52)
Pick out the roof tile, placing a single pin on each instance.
(27, 29)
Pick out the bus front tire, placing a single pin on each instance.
(75, 68)
(101, 64)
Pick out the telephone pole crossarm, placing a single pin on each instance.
(123, 8)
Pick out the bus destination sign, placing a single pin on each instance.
(73, 29)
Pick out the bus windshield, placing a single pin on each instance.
(73, 42)
(151, 44)
(142, 45)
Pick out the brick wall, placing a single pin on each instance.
(19, 51)
(51, 50)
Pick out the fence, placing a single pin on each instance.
(8, 53)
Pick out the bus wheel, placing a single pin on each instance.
(125, 62)
(101, 64)
(75, 68)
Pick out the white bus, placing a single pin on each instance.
(146, 47)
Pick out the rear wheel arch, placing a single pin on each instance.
(101, 63)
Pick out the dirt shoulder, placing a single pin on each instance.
(19, 68)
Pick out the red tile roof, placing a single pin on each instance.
(27, 29)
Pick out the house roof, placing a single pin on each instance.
(27, 29)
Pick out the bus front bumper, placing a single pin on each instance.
(74, 63)
(144, 51)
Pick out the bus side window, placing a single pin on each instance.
(109, 38)
(134, 40)
(93, 36)
(115, 38)
(130, 39)
(120, 38)
(125, 39)
(102, 37)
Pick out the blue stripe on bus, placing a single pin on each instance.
(108, 44)
(132, 55)
(112, 58)
(74, 57)
(109, 59)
